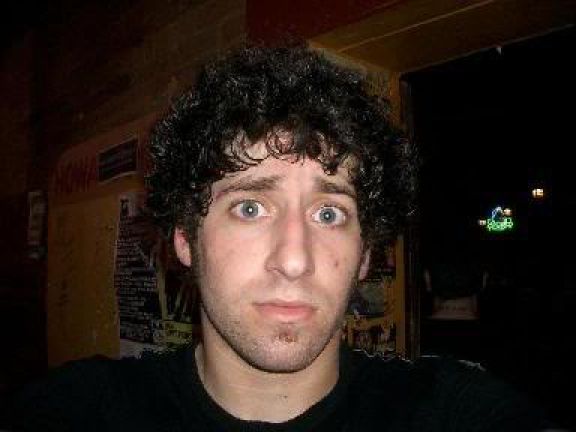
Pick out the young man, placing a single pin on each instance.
(275, 176)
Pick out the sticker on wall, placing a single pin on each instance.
(118, 161)
(36, 220)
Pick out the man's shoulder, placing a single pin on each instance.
(100, 371)
(98, 389)
(441, 393)
(434, 373)
(396, 380)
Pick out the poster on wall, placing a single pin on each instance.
(376, 336)
(181, 301)
(157, 297)
(136, 280)
(369, 325)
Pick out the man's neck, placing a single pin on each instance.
(251, 394)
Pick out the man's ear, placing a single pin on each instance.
(364, 265)
(182, 246)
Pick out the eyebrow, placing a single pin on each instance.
(251, 184)
(270, 183)
(329, 187)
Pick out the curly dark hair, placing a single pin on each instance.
(250, 94)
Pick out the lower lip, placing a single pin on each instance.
(285, 313)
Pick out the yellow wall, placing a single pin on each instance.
(81, 304)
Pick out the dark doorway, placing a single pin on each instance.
(491, 128)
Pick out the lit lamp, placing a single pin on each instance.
(482, 222)
(507, 212)
(538, 193)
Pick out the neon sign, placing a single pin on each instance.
(501, 220)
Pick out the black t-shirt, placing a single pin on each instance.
(162, 392)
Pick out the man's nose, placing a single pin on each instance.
(291, 254)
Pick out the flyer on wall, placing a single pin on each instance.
(136, 279)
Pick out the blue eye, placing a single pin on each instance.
(330, 215)
(249, 209)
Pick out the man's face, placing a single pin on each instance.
(278, 255)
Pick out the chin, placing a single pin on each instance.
(284, 362)
(285, 352)
(280, 348)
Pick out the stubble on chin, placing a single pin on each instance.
(282, 348)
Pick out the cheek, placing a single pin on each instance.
(341, 254)
(337, 274)
(218, 253)
(228, 255)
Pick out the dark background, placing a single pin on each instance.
(490, 127)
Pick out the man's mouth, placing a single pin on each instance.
(283, 311)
